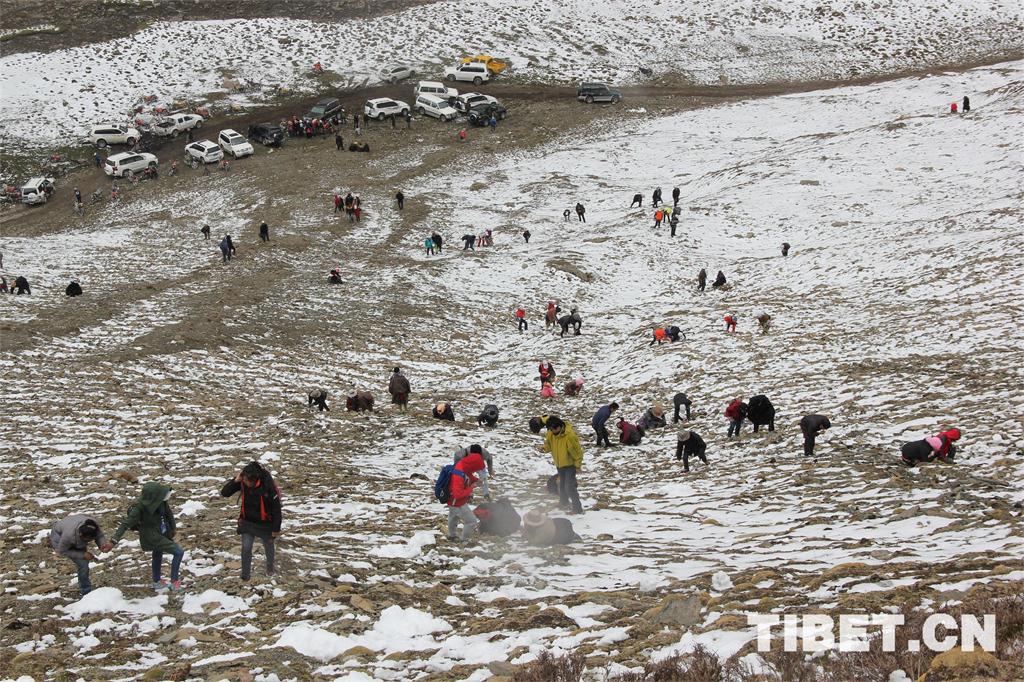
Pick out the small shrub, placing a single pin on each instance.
(549, 668)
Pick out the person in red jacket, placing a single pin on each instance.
(546, 371)
(521, 319)
(730, 323)
(460, 492)
(735, 413)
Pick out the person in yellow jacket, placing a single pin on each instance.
(567, 453)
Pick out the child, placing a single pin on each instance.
(428, 244)
(152, 517)
(547, 390)
(730, 323)
(260, 513)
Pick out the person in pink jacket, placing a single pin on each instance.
(547, 390)
(940, 446)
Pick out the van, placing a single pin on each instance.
(432, 105)
(435, 88)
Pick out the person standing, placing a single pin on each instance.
(428, 244)
(438, 241)
(659, 215)
(485, 473)
(567, 454)
(967, 104)
(811, 426)
(225, 249)
(521, 320)
(339, 141)
(735, 413)
(400, 198)
(394, 121)
(151, 516)
(600, 423)
(493, 123)
(98, 160)
(675, 196)
(71, 537)
(398, 387)
(264, 232)
(785, 249)
(689, 444)
(205, 232)
(526, 236)
(259, 513)
(656, 197)
(355, 122)
(702, 279)
(580, 212)
(673, 223)
(408, 119)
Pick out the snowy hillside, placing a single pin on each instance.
(895, 314)
(51, 97)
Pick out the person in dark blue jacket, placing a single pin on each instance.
(599, 421)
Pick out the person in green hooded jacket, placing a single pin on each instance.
(152, 517)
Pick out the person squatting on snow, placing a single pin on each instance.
(547, 390)
(761, 412)
(151, 516)
(573, 388)
(259, 514)
(599, 422)
(497, 518)
(489, 416)
(938, 447)
(690, 444)
(541, 531)
(765, 321)
(318, 397)
(785, 249)
(811, 426)
(398, 387)
(730, 322)
(719, 280)
(567, 454)
(335, 277)
(460, 491)
(71, 537)
(680, 400)
(443, 411)
(629, 434)
(653, 418)
(73, 289)
(360, 401)
(736, 412)
(486, 473)
(669, 334)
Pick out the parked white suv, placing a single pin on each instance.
(205, 151)
(434, 88)
(468, 100)
(234, 144)
(382, 107)
(112, 133)
(473, 72)
(173, 125)
(125, 164)
(36, 191)
(432, 105)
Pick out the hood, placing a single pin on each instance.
(534, 518)
(684, 435)
(472, 463)
(951, 434)
(152, 495)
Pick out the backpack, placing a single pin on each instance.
(441, 487)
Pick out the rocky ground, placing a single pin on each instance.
(895, 315)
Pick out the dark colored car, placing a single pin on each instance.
(325, 108)
(481, 114)
(597, 92)
(269, 134)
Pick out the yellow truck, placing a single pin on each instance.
(493, 64)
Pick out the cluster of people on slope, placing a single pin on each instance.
(351, 204)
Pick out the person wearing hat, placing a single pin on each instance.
(152, 517)
(564, 445)
(689, 443)
(443, 411)
(653, 418)
(542, 531)
(940, 446)
(812, 425)
(398, 387)
(318, 397)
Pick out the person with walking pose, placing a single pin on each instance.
(259, 513)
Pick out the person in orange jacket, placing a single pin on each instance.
(659, 215)
(730, 322)
(659, 336)
(460, 490)
(521, 319)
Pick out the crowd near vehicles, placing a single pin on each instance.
(204, 151)
(597, 92)
(234, 144)
(126, 164)
(473, 72)
(106, 134)
(432, 105)
(382, 107)
(36, 191)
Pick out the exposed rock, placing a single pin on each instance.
(680, 610)
(362, 603)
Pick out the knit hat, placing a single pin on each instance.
(554, 423)
(534, 518)
(684, 435)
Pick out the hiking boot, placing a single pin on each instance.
(160, 586)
